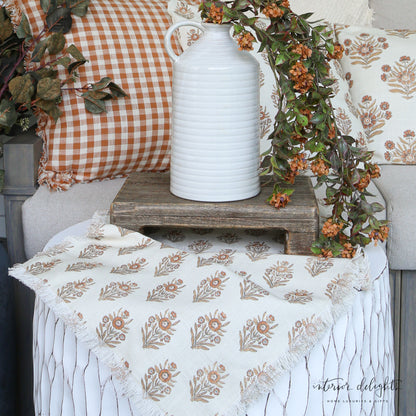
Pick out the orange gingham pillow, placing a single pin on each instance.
(123, 40)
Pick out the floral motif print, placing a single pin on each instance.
(124, 231)
(81, 266)
(299, 296)
(117, 290)
(210, 288)
(229, 237)
(158, 329)
(74, 290)
(303, 331)
(183, 9)
(372, 116)
(55, 250)
(400, 33)
(318, 265)
(251, 376)
(93, 250)
(279, 275)
(96, 231)
(337, 288)
(224, 257)
(202, 231)
(159, 380)
(175, 235)
(166, 291)
(170, 263)
(113, 327)
(265, 121)
(257, 250)
(132, 267)
(404, 151)
(208, 330)
(200, 246)
(344, 123)
(257, 332)
(42, 267)
(365, 49)
(401, 77)
(207, 383)
(144, 243)
(192, 36)
(250, 290)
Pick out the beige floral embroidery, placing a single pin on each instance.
(170, 263)
(200, 246)
(144, 243)
(132, 267)
(372, 116)
(401, 77)
(337, 288)
(166, 291)
(365, 49)
(252, 375)
(299, 296)
(317, 265)
(159, 380)
(257, 250)
(279, 275)
(113, 327)
(404, 151)
(250, 290)
(207, 383)
(42, 267)
(117, 290)
(158, 329)
(93, 250)
(210, 287)
(304, 331)
(81, 266)
(208, 330)
(265, 121)
(74, 290)
(257, 332)
(224, 257)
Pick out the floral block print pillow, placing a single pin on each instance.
(380, 66)
(346, 115)
(123, 40)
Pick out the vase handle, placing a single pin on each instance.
(168, 37)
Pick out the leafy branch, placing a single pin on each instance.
(305, 134)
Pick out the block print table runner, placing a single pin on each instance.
(191, 332)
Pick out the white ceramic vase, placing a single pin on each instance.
(215, 118)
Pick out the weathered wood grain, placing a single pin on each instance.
(145, 200)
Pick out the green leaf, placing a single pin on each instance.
(79, 7)
(75, 53)
(49, 89)
(92, 105)
(302, 120)
(103, 83)
(64, 61)
(21, 88)
(55, 43)
(72, 67)
(50, 108)
(48, 6)
(39, 51)
(8, 114)
(59, 20)
(23, 30)
(117, 91)
(6, 27)
(377, 207)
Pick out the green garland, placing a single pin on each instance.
(305, 133)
